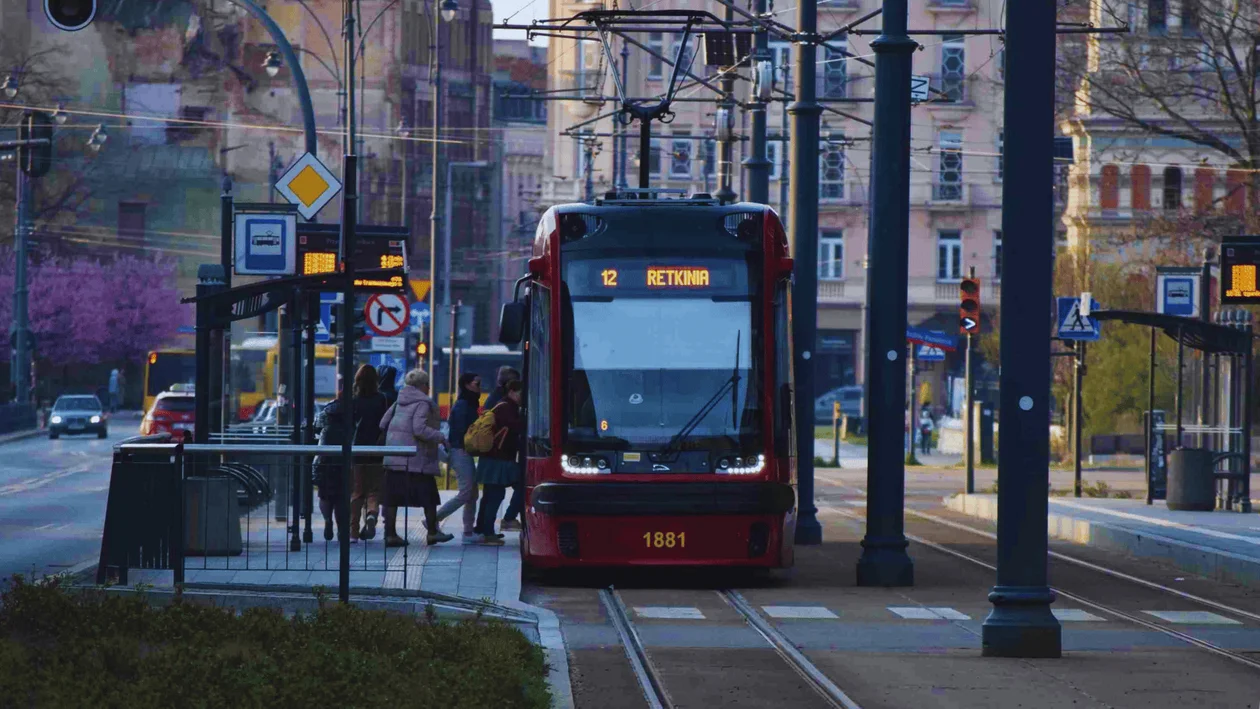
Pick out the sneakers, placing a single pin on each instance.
(509, 525)
(328, 531)
(495, 541)
(439, 538)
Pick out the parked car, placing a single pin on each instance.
(77, 414)
(850, 398)
(173, 412)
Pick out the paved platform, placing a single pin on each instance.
(1224, 546)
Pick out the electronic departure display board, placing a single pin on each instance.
(1240, 270)
(375, 248)
(652, 277)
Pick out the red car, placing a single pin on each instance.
(173, 413)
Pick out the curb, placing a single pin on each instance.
(21, 435)
(508, 595)
(1215, 564)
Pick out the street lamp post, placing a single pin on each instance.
(449, 8)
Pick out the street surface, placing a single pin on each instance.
(52, 499)
(1125, 645)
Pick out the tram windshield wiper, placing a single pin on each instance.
(731, 383)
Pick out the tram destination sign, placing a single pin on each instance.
(376, 247)
(1240, 270)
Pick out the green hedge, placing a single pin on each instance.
(69, 648)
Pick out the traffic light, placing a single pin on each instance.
(35, 159)
(969, 306)
(70, 15)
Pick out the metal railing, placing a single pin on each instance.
(220, 510)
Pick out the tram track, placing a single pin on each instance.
(654, 688)
(1105, 608)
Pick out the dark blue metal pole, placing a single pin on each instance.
(1021, 624)
(803, 233)
(756, 166)
(349, 208)
(884, 560)
(299, 77)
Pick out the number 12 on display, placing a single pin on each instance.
(664, 540)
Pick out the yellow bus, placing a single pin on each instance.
(166, 368)
(255, 362)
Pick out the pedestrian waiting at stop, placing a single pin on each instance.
(462, 416)
(387, 377)
(329, 471)
(370, 407)
(499, 467)
(411, 481)
(517, 503)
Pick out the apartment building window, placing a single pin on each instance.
(835, 73)
(1157, 16)
(1001, 158)
(953, 67)
(948, 255)
(1109, 188)
(949, 176)
(654, 157)
(781, 52)
(1204, 186)
(1172, 189)
(1190, 18)
(997, 254)
(831, 171)
(680, 158)
(1140, 187)
(775, 155)
(830, 254)
(708, 156)
(1235, 192)
(579, 163)
(656, 43)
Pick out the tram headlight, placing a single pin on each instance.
(748, 465)
(585, 465)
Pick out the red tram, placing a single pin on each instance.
(658, 369)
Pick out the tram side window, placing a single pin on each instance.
(539, 412)
(784, 432)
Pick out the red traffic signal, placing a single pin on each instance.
(969, 306)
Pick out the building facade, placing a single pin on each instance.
(956, 167)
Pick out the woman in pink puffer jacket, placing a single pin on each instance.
(411, 481)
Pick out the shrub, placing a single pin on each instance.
(67, 648)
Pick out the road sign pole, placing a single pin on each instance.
(1205, 314)
(912, 417)
(1021, 624)
(349, 208)
(308, 497)
(297, 399)
(1077, 411)
(884, 560)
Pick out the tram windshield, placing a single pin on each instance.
(661, 351)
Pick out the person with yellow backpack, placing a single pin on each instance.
(496, 438)
(463, 415)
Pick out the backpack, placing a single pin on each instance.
(480, 437)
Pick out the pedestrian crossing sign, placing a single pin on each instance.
(1073, 325)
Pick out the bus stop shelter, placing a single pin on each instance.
(1192, 476)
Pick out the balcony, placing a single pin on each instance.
(949, 90)
(942, 196)
(850, 291)
(951, 7)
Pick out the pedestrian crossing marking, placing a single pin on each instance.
(921, 613)
(1193, 617)
(812, 612)
(1074, 615)
(669, 612)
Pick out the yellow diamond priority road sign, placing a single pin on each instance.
(309, 185)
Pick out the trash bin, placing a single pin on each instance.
(1191, 481)
(212, 517)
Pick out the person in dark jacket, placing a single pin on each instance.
(387, 382)
(498, 469)
(329, 472)
(369, 408)
(508, 374)
(463, 414)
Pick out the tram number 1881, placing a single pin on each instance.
(664, 540)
